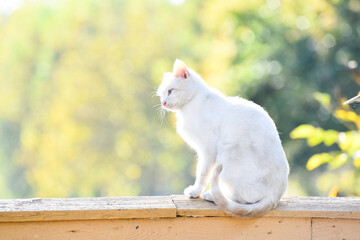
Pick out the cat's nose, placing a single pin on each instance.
(164, 103)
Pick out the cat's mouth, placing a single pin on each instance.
(170, 107)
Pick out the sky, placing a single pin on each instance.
(9, 6)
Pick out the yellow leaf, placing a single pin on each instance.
(303, 131)
(345, 141)
(346, 115)
(338, 161)
(357, 162)
(330, 137)
(334, 191)
(316, 138)
(317, 160)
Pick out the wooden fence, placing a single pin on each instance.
(175, 217)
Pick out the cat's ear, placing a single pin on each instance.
(180, 70)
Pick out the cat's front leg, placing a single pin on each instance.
(203, 170)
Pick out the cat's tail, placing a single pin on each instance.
(235, 208)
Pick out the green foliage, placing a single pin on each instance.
(77, 81)
(348, 145)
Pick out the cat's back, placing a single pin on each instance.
(245, 104)
(248, 125)
(239, 105)
(249, 116)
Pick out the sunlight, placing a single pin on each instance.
(9, 6)
(177, 2)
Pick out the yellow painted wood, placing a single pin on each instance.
(57, 209)
(289, 207)
(175, 217)
(195, 207)
(166, 228)
(335, 229)
(162, 206)
(319, 207)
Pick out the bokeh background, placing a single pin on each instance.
(77, 79)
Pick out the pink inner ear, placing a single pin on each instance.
(182, 72)
(180, 69)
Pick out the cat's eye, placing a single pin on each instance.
(170, 91)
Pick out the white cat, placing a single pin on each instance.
(233, 134)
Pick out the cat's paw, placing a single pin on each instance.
(192, 192)
(207, 196)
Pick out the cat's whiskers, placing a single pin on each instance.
(162, 113)
(157, 106)
(154, 93)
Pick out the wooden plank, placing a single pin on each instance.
(56, 209)
(335, 229)
(197, 207)
(322, 207)
(163, 206)
(288, 207)
(162, 229)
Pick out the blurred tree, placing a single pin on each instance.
(76, 87)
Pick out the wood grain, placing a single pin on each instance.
(162, 229)
(190, 207)
(324, 207)
(175, 217)
(289, 207)
(335, 229)
(57, 209)
(21, 210)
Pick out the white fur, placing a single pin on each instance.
(234, 134)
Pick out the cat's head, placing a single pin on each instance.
(177, 88)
